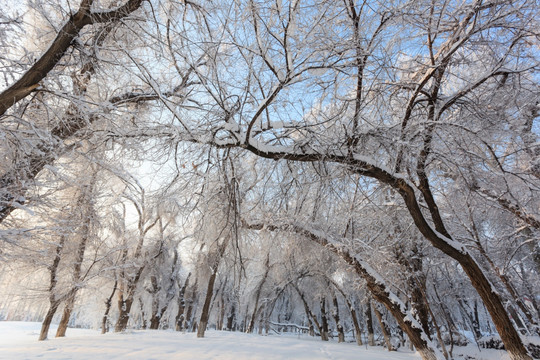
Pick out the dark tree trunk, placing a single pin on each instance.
(54, 303)
(154, 321)
(369, 324)
(324, 321)
(143, 316)
(180, 318)
(230, 319)
(108, 303)
(206, 306)
(476, 321)
(124, 308)
(339, 327)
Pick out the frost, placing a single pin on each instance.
(320, 71)
(231, 126)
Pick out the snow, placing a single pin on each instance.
(18, 340)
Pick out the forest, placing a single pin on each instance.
(358, 170)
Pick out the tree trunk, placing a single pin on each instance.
(108, 303)
(203, 322)
(384, 330)
(369, 324)
(357, 329)
(339, 327)
(53, 281)
(84, 202)
(68, 309)
(143, 316)
(154, 321)
(124, 308)
(230, 319)
(221, 316)
(47, 320)
(324, 321)
(181, 318)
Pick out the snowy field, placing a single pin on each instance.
(18, 341)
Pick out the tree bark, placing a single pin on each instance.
(335, 314)
(369, 324)
(64, 321)
(54, 302)
(108, 303)
(384, 330)
(124, 308)
(180, 318)
(206, 306)
(230, 319)
(324, 320)
(47, 320)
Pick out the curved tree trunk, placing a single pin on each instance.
(378, 290)
(438, 237)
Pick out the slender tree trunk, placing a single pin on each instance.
(143, 316)
(384, 330)
(230, 319)
(189, 325)
(108, 303)
(203, 322)
(221, 316)
(84, 202)
(369, 324)
(357, 329)
(126, 296)
(324, 321)
(64, 322)
(335, 313)
(180, 318)
(54, 303)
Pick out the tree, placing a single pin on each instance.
(410, 111)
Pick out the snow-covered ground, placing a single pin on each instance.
(18, 341)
